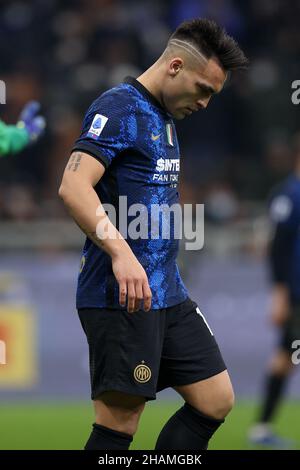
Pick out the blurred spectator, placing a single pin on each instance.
(221, 205)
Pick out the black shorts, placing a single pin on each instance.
(142, 353)
(291, 329)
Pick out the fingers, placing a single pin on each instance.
(136, 292)
(122, 293)
(29, 110)
(147, 295)
(40, 122)
(130, 297)
(139, 295)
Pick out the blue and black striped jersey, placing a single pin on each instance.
(285, 246)
(134, 137)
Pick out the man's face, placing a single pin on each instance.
(189, 90)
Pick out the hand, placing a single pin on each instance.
(33, 123)
(279, 316)
(133, 282)
(280, 306)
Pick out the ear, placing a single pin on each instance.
(175, 66)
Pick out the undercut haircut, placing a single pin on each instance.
(211, 40)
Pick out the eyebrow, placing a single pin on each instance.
(207, 88)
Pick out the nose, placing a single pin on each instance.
(202, 104)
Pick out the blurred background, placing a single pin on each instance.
(64, 54)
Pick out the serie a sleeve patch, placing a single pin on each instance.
(97, 125)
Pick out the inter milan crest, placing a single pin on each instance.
(142, 373)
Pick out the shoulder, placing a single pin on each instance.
(285, 200)
(116, 100)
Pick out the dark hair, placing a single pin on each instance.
(211, 39)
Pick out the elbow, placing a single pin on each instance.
(64, 193)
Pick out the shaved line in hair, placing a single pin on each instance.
(189, 48)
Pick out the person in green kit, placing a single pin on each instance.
(30, 126)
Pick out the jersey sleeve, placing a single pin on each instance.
(109, 127)
(285, 218)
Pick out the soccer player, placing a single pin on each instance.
(14, 138)
(128, 147)
(284, 262)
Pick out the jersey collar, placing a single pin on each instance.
(132, 81)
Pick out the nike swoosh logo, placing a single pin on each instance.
(155, 137)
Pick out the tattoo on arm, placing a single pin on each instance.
(74, 161)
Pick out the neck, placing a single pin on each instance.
(151, 80)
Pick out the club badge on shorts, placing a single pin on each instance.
(142, 373)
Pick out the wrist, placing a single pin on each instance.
(119, 248)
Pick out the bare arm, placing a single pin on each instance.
(280, 304)
(81, 174)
